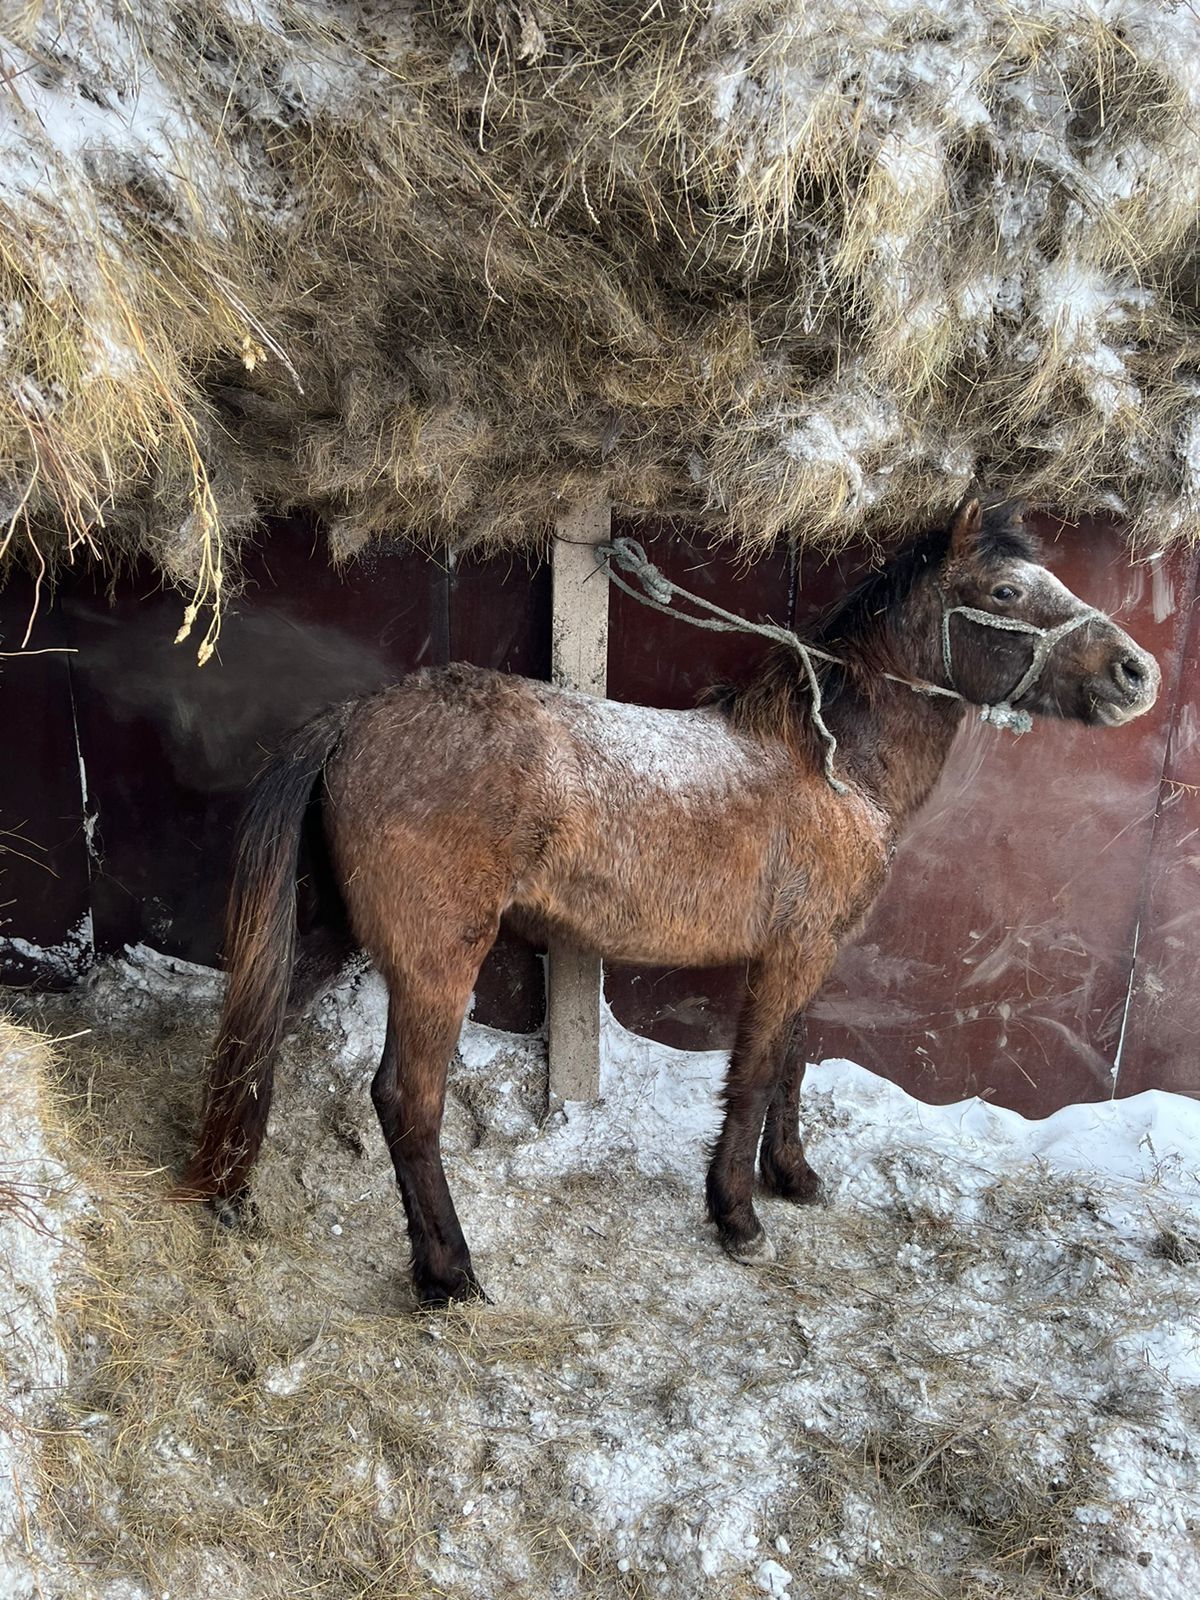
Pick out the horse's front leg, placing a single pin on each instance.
(781, 1159)
(778, 989)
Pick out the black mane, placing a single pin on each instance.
(1005, 538)
(777, 701)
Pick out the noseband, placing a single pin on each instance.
(1004, 714)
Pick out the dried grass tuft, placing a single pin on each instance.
(981, 1470)
(795, 269)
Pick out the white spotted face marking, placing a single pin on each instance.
(1134, 672)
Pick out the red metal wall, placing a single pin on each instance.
(168, 749)
(1001, 960)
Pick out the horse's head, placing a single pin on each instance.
(1012, 633)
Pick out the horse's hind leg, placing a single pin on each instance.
(782, 1162)
(409, 1092)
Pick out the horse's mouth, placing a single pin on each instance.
(1116, 713)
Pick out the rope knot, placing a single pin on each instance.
(630, 557)
(1006, 716)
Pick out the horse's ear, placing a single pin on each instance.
(966, 530)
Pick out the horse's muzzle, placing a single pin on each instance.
(1129, 688)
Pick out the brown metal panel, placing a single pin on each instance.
(500, 613)
(500, 617)
(43, 849)
(169, 747)
(998, 960)
(657, 660)
(1161, 1044)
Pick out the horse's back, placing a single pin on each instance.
(649, 835)
(458, 749)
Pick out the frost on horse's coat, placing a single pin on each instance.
(460, 797)
(659, 853)
(690, 755)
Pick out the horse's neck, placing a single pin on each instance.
(892, 740)
(894, 743)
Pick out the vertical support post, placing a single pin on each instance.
(579, 660)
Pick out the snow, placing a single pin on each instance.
(65, 960)
(985, 1307)
(1078, 306)
(836, 439)
(102, 108)
(37, 1203)
(1188, 450)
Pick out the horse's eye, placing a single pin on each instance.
(1004, 592)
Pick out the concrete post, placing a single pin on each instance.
(579, 661)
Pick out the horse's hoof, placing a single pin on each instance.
(466, 1289)
(756, 1251)
(233, 1210)
(806, 1191)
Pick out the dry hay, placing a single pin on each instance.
(794, 268)
(37, 1201)
(895, 1409)
(241, 1421)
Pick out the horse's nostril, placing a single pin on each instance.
(1129, 673)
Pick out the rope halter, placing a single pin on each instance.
(1004, 714)
(658, 592)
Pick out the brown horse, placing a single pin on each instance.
(692, 838)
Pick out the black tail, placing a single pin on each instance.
(260, 951)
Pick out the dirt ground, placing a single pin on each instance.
(972, 1373)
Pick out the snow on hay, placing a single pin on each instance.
(791, 268)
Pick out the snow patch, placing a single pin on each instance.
(680, 752)
(37, 1201)
(64, 961)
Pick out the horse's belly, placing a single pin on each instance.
(660, 945)
(616, 940)
(677, 907)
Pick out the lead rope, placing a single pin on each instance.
(658, 591)
(658, 594)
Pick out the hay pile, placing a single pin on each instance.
(38, 1200)
(437, 267)
(973, 1376)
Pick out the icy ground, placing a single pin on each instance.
(974, 1372)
